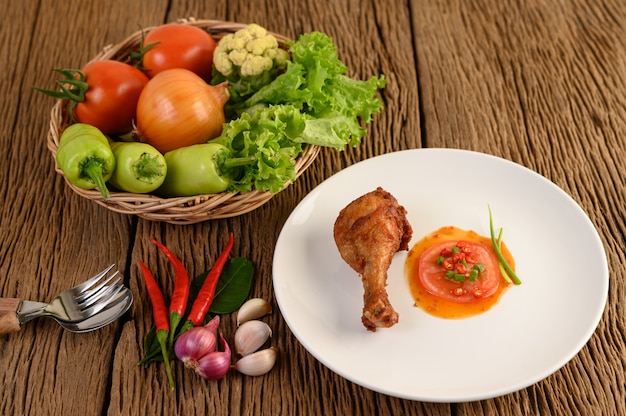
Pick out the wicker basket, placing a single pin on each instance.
(181, 210)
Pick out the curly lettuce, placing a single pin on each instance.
(312, 102)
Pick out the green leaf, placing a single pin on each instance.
(233, 287)
(151, 348)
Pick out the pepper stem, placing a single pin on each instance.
(148, 168)
(93, 168)
(162, 338)
(175, 319)
(233, 162)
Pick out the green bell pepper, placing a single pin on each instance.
(139, 167)
(195, 170)
(85, 157)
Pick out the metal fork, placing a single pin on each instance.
(102, 294)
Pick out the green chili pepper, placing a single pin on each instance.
(496, 246)
(139, 167)
(85, 157)
(198, 169)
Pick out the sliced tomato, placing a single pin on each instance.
(433, 279)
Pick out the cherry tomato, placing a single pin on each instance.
(111, 98)
(179, 46)
(432, 275)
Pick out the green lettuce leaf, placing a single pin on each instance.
(312, 102)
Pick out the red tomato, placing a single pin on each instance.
(179, 46)
(110, 102)
(432, 275)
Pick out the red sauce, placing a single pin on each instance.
(445, 298)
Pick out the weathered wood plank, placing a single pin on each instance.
(542, 84)
(539, 83)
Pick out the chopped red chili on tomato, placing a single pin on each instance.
(457, 270)
(459, 259)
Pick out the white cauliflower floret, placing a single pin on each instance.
(249, 59)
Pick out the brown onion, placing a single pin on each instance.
(177, 108)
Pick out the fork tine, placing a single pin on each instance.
(99, 295)
(84, 296)
(88, 283)
(111, 300)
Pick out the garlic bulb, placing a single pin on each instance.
(257, 363)
(253, 309)
(251, 336)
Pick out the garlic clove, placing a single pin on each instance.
(253, 309)
(251, 336)
(258, 363)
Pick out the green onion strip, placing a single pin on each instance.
(506, 270)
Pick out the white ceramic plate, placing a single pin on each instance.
(533, 330)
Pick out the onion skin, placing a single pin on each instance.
(194, 344)
(214, 365)
(177, 108)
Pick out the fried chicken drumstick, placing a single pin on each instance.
(368, 232)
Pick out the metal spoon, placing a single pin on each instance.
(85, 307)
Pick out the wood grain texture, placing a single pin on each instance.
(540, 83)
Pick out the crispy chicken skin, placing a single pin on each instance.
(368, 232)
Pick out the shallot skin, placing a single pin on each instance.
(194, 344)
(215, 365)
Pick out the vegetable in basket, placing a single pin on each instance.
(316, 83)
(139, 167)
(103, 94)
(85, 157)
(248, 59)
(198, 169)
(177, 108)
(312, 102)
(177, 45)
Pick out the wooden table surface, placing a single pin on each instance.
(540, 83)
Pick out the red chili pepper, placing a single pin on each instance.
(459, 291)
(180, 295)
(457, 257)
(161, 321)
(460, 268)
(206, 294)
(159, 309)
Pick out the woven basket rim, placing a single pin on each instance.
(178, 210)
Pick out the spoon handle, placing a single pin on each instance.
(8, 315)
